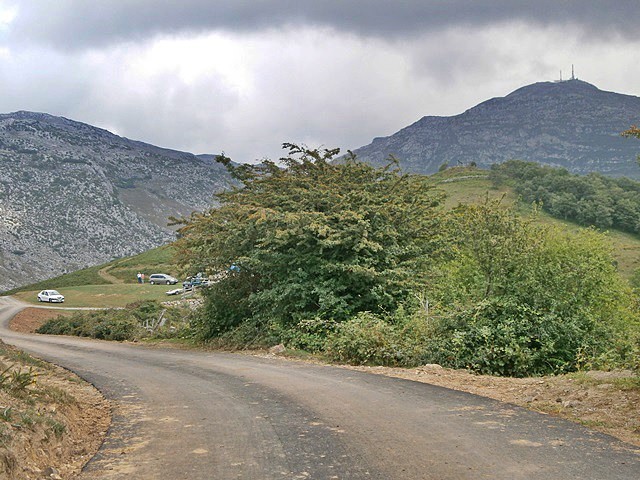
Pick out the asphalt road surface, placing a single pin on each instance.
(200, 415)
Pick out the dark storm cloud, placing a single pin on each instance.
(85, 24)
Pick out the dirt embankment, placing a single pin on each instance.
(51, 421)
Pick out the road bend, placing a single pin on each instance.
(199, 415)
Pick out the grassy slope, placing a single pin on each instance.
(470, 185)
(157, 260)
(103, 296)
(87, 288)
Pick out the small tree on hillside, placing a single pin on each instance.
(633, 131)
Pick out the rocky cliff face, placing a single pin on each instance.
(72, 195)
(571, 124)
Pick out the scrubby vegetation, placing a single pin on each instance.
(135, 321)
(366, 266)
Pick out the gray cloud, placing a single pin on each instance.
(83, 24)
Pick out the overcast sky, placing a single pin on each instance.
(245, 76)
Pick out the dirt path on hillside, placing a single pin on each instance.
(103, 272)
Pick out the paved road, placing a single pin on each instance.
(198, 415)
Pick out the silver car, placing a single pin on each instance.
(51, 296)
(162, 279)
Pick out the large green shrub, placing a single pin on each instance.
(508, 337)
(313, 239)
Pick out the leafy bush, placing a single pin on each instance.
(226, 306)
(118, 324)
(506, 337)
(365, 339)
(119, 328)
(400, 339)
(308, 335)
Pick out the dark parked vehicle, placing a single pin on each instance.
(197, 281)
(162, 279)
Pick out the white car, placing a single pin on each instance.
(51, 296)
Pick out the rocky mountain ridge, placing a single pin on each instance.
(570, 124)
(74, 195)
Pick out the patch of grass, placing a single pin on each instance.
(58, 429)
(593, 423)
(105, 296)
(27, 419)
(6, 414)
(624, 383)
(21, 379)
(17, 356)
(56, 395)
(156, 256)
(470, 186)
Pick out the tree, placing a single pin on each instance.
(633, 131)
(311, 239)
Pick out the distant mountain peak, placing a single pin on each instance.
(571, 123)
(557, 87)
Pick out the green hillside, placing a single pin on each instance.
(472, 185)
(366, 266)
(119, 271)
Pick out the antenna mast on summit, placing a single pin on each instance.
(573, 77)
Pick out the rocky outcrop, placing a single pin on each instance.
(73, 195)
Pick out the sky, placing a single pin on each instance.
(242, 77)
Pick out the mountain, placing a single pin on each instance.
(73, 195)
(570, 124)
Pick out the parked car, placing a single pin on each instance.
(162, 279)
(198, 281)
(51, 296)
